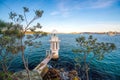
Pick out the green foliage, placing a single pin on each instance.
(8, 39)
(12, 35)
(30, 41)
(39, 13)
(88, 46)
(26, 9)
(3, 76)
(18, 18)
(8, 47)
(2, 24)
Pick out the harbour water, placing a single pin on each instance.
(106, 69)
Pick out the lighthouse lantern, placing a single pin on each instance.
(54, 45)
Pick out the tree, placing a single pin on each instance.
(8, 46)
(88, 46)
(2, 24)
(18, 19)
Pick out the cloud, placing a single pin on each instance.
(91, 4)
(54, 13)
(62, 9)
(102, 3)
(65, 7)
(62, 13)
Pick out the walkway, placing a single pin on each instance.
(40, 67)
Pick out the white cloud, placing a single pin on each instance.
(94, 4)
(62, 8)
(54, 13)
(101, 3)
(65, 7)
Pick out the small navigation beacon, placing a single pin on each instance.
(54, 45)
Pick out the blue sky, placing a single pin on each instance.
(69, 15)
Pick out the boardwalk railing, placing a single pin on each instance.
(40, 67)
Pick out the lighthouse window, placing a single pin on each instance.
(54, 34)
(56, 46)
(53, 46)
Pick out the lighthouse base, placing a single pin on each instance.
(54, 59)
(55, 56)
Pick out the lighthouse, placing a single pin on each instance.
(54, 45)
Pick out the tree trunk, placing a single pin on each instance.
(24, 61)
(7, 75)
(86, 71)
(25, 65)
(86, 67)
(4, 68)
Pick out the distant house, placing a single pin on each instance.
(111, 33)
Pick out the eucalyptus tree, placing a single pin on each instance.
(90, 46)
(24, 26)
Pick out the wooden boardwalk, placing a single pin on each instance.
(40, 67)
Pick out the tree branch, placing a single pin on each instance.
(29, 24)
(25, 18)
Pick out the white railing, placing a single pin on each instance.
(44, 63)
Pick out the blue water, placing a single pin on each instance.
(106, 69)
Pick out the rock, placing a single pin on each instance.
(44, 71)
(61, 70)
(73, 75)
(22, 75)
(76, 78)
(52, 74)
(74, 72)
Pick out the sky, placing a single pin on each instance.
(69, 15)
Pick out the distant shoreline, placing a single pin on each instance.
(28, 32)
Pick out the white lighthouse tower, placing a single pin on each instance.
(54, 45)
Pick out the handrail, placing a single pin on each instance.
(44, 63)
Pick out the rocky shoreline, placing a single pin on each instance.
(55, 74)
(52, 74)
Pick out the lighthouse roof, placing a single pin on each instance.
(54, 32)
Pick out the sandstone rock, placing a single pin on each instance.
(52, 74)
(22, 75)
